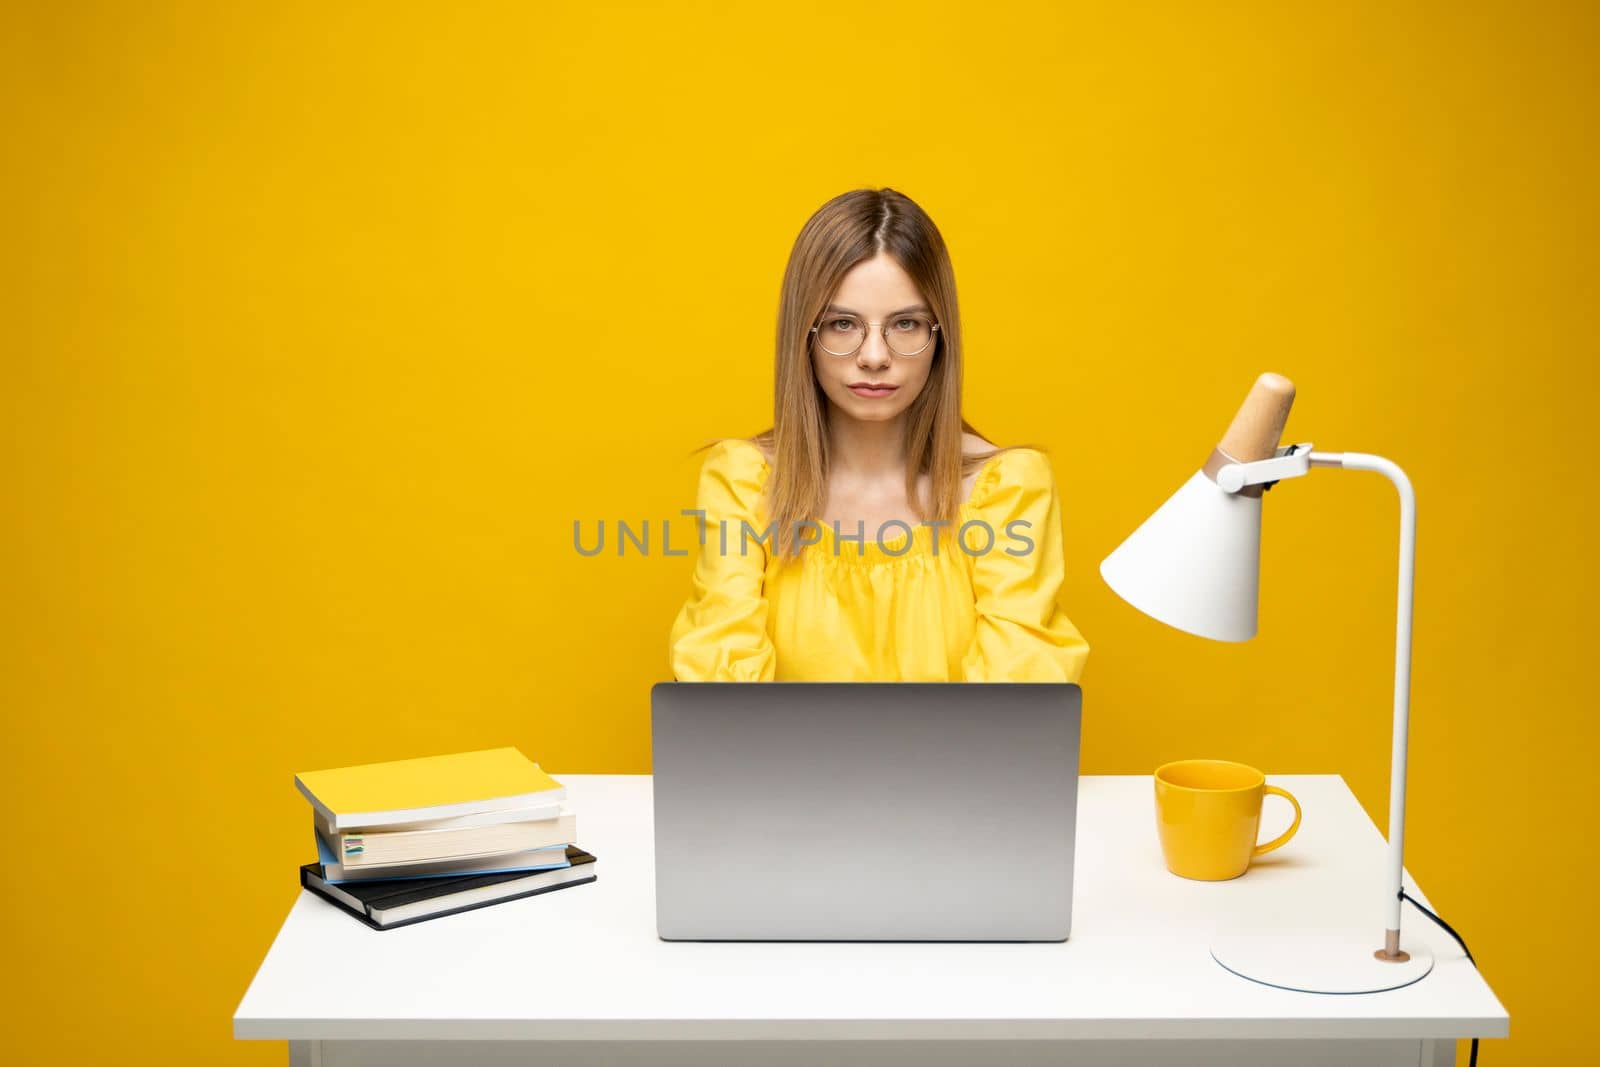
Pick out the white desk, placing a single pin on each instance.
(579, 977)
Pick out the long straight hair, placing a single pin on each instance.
(847, 230)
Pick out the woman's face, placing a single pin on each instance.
(875, 384)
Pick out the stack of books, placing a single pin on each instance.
(409, 840)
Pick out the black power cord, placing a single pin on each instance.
(1473, 1061)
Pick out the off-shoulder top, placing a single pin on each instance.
(984, 607)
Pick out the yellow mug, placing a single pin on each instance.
(1208, 812)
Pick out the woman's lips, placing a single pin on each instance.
(869, 389)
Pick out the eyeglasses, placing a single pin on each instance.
(906, 335)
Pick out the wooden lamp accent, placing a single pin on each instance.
(1257, 428)
(1254, 432)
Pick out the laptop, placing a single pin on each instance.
(865, 811)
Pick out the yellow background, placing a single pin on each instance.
(323, 323)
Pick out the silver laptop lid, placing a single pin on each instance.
(865, 810)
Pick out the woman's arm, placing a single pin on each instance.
(720, 634)
(1022, 634)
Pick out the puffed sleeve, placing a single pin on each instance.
(1022, 634)
(720, 634)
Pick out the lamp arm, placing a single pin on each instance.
(1361, 461)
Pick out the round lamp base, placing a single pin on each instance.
(1319, 961)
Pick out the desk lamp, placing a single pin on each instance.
(1194, 565)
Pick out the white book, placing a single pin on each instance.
(478, 818)
(367, 849)
(534, 859)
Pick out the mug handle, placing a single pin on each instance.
(1283, 838)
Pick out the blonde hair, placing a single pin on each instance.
(847, 230)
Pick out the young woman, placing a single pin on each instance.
(872, 534)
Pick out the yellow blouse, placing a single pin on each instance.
(851, 610)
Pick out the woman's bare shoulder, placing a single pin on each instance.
(973, 445)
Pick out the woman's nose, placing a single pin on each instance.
(874, 351)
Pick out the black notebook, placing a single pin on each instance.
(384, 905)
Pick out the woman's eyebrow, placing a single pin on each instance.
(832, 308)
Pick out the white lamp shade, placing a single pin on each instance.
(1196, 563)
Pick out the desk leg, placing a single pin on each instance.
(308, 1054)
(1439, 1052)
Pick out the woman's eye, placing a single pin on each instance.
(906, 325)
(844, 324)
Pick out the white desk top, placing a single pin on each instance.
(585, 962)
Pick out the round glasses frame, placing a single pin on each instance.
(883, 329)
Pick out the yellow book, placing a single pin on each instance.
(433, 787)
